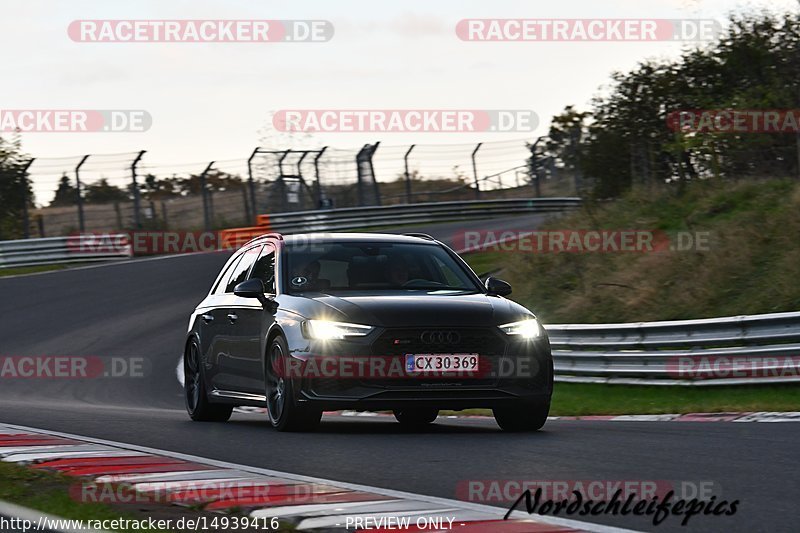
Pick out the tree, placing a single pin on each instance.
(66, 194)
(753, 65)
(154, 188)
(14, 187)
(103, 192)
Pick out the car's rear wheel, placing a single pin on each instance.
(197, 404)
(522, 417)
(416, 417)
(284, 411)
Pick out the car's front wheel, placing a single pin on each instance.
(416, 418)
(284, 411)
(194, 388)
(522, 417)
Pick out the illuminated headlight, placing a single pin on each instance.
(527, 329)
(327, 330)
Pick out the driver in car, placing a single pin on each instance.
(307, 276)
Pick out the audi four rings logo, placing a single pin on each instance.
(440, 337)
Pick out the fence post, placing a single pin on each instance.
(408, 176)
(475, 171)
(81, 222)
(164, 214)
(317, 184)
(376, 189)
(118, 214)
(204, 192)
(251, 185)
(137, 222)
(308, 189)
(246, 207)
(364, 167)
(534, 169)
(26, 232)
(359, 183)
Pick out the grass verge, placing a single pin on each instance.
(578, 399)
(49, 492)
(18, 271)
(57, 494)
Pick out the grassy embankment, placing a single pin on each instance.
(751, 265)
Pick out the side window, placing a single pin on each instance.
(239, 272)
(222, 283)
(265, 269)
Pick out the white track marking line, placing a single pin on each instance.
(444, 502)
(315, 510)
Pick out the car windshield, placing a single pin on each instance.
(373, 266)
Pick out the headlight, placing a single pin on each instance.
(527, 329)
(327, 330)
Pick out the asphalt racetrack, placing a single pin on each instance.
(138, 311)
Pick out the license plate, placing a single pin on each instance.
(442, 362)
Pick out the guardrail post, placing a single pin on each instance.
(204, 192)
(252, 186)
(317, 184)
(79, 199)
(26, 232)
(408, 176)
(475, 171)
(136, 199)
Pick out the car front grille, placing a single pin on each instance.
(398, 342)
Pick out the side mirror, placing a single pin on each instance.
(497, 287)
(252, 288)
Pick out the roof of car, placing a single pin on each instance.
(296, 238)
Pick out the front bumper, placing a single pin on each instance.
(511, 370)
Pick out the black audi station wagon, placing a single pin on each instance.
(308, 323)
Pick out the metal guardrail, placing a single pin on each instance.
(716, 351)
(361, 217)
(51, 250)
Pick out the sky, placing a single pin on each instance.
(214, 100)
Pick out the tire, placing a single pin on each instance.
(522, 417)
(416, 417)
(195, 394)
(284, 411)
